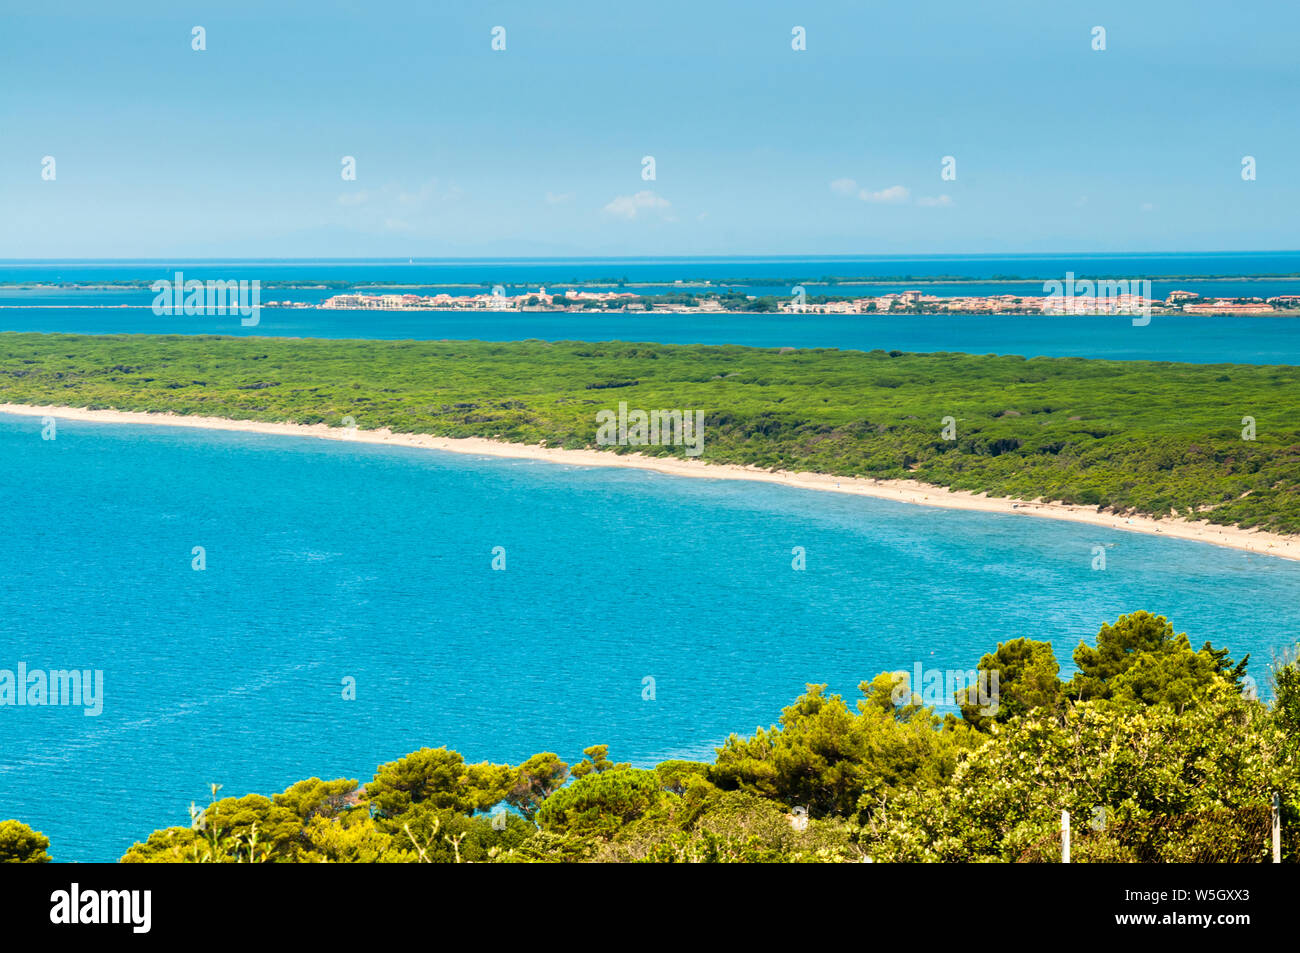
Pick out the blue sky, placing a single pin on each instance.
(236, 151)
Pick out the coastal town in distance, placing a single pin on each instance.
(903, 302)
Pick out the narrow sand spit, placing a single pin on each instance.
(904, 491)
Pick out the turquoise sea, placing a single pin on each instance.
(327, 561)
(1199, 340)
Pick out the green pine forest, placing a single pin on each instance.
(1144, 437)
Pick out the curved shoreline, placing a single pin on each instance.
(902, 491)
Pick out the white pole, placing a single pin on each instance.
(1277, 828)
(1065, 837)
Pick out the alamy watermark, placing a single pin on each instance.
(196, 297)
(1110, 296)
(938, 687)
(131, 908)
(655, 428)
(36, 688)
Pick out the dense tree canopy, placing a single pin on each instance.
(829, 760)
(1139, 659)
(1126, 766)
(19, 844)
(601, 802)
(441, 778)
(1129, 435)
(535, 780)
(1027, 680)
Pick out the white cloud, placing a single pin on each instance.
(559, 198)
(629, 206)
(934, 201)
(893, 195)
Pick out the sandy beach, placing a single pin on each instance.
(903, 491)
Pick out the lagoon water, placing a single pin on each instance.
(1197, 339)
(328, 561)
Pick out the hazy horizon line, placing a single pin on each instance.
(628, 258)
